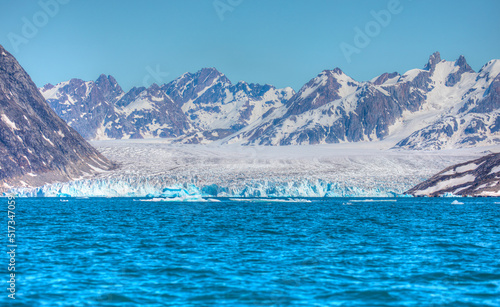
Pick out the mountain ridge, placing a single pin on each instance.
(330, 108)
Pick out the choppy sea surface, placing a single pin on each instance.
(319, 252)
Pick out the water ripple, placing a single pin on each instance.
(120, 252)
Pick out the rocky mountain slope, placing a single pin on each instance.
(444, 105)
(480, 177)
(36, 145)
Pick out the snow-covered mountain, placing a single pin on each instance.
(480, 177)
(444, 105)
(101, 110)
(218, 108)
(197, 107)
(471, 109)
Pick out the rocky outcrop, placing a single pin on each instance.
(36, 145)
(455, 77)
(479, 177)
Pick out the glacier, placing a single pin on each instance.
(153, 187)
(157, 168)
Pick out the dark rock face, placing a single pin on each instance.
(491, 101)
(85, 105)
(151, 114)
(433, 60)
(36, 145)
(479, 177)
(190, 86)
(463, 67)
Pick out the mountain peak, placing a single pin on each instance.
(203, 75)
(462, 63)
(210, 70)
(433, 60)
(102, 77)
(106, 79)
(337, 71)
(209, 75)
(109, 86)
(48, 86)
(154, 87)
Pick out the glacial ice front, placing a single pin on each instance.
(153, 187)
(151, 168)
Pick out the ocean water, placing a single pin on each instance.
(326, 252)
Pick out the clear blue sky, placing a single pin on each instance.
(280, 42)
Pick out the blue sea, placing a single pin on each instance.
(316, 252)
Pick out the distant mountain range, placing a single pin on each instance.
(444, 105)
(36, 145)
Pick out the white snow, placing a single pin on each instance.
(410, 75)
(8, 122)
(140, 104)
(445, 184)
(490, 193)
(45, 138)
(494, 170)
(461, 169)
(466, 168)
(319, 81)
(490, 69)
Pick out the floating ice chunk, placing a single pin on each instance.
(195, 198)
(276, 200)
(372, 200)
